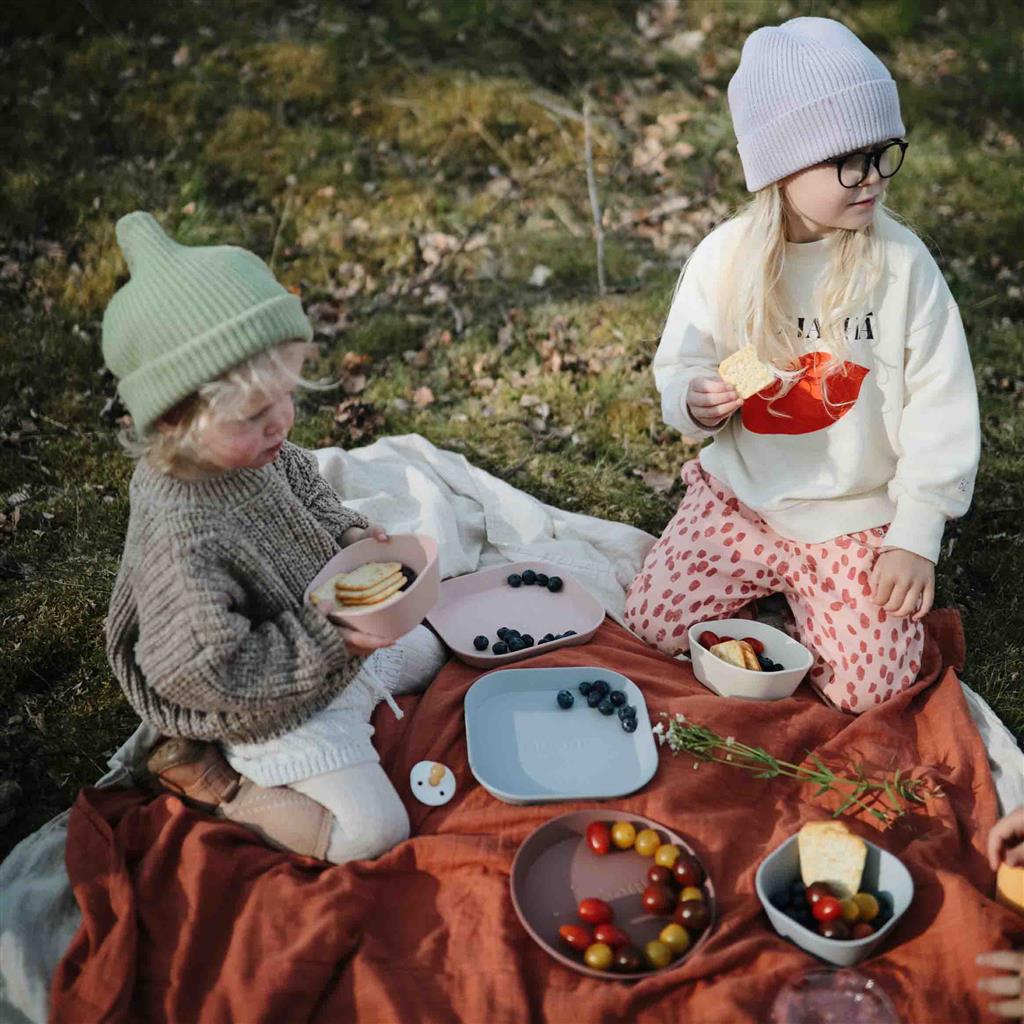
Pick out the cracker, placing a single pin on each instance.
(831, 853)
(738, 653)
(354, 602)
(366, 576)
(745, 372)
(342, 594)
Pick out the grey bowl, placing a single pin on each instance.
(883, 874)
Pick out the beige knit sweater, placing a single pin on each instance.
(207, 630)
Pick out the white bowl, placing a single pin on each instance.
(729, 681)
(883, 874)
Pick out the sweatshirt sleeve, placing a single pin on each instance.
(300, 469)
(687, 348)
(940, 430)
(198, 648)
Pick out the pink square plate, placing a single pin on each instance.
(480, 603)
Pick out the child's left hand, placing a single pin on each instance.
(1009, 984)
(902, 582)
(355, 533)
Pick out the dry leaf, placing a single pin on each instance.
(423, 397)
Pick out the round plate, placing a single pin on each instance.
(554, 869)
(825, 996)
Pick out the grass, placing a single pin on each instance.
(411, 167)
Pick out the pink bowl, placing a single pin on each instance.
(397, 617)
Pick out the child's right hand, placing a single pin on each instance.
(710, 401)
(1006, 840)
(359, 645)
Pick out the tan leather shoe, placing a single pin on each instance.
(283, 818)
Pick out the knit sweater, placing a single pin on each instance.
(207, 631)
(899, 441)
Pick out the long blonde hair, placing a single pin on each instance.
(753, 308)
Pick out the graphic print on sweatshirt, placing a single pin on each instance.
(803, 409)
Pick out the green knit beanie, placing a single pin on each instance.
(188, 314)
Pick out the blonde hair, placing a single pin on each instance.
(172, 444)
(752, 307)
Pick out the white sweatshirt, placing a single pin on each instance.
(904, 451)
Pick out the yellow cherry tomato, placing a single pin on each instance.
(676, 937)
(647, 842)
(868, 906)
(666, 855)
(691, 892)
(851, 912)
(598, 955)
(658, 954)
(623, 835)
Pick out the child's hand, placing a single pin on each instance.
(1010, 984)
(359, 645)
(354, 533)
(710, 400)
(902, 582)
(1006, 840)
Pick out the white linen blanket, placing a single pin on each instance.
(409, 486)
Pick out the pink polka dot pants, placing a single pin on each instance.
(717, 555)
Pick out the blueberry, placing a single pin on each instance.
(765, 662)
(513, 634)
(606, 707)
(780, 901)
(569, 632)
(547, 638)
(516, 644)
(797, 891)
(627, 711)
(802, 915)
(515, 580)
(602, 687)
(528, 640)
(594, 698)
(529, 577)
(565, 699)
(628, 724)
(500, 648)
(584, 687)
(617, 697)
(481, 643)
(542, 579)
(554, 584)
(776, 667)
(503, 633)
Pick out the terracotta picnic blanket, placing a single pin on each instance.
(188, 919)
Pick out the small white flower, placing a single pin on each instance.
(728, 757)
(659, 729)
(680, 717)
(696, 765)
(730, 740)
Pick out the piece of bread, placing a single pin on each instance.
(1010, 887)
(738, 653)
(745, 372)
(366, 576)
(831, 853)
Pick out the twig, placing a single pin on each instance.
(280, 226)
(592, 191)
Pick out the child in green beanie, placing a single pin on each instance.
(208, 632)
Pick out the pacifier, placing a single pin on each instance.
(432, 783)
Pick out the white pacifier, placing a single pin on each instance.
(432, 783)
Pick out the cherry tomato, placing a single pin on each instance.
(595, 911)
(629, 960)
(828, 908)
(599, 839)
(708, 639)
(666, 855)
(658, 954)
(675, 937)
(755, 643)
(817, 891)
(687, 870)
(868, 906)
(851, 912)
(647, 842)
(610, 935)
(598, 956)
(861, 930)
(575, 936)
(837, 929)
(691, 892)
(692, 915)
(623, 835)
(662, 876)
(657, 899)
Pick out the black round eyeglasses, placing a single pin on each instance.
(853, 168)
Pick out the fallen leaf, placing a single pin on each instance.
(181, 57)
(540, 275)
(423, 397)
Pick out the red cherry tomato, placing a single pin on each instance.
(599, 837)
(708, 639)
(861, 930)
(657, 899)
(756, 644)
(595, 911)
(828, 908)
(610, 935)
(575, 936)
(837, 929)
(687, 871)
(660, 875)
(817, 891)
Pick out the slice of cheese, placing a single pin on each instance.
(745, 372)
(831, 853)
